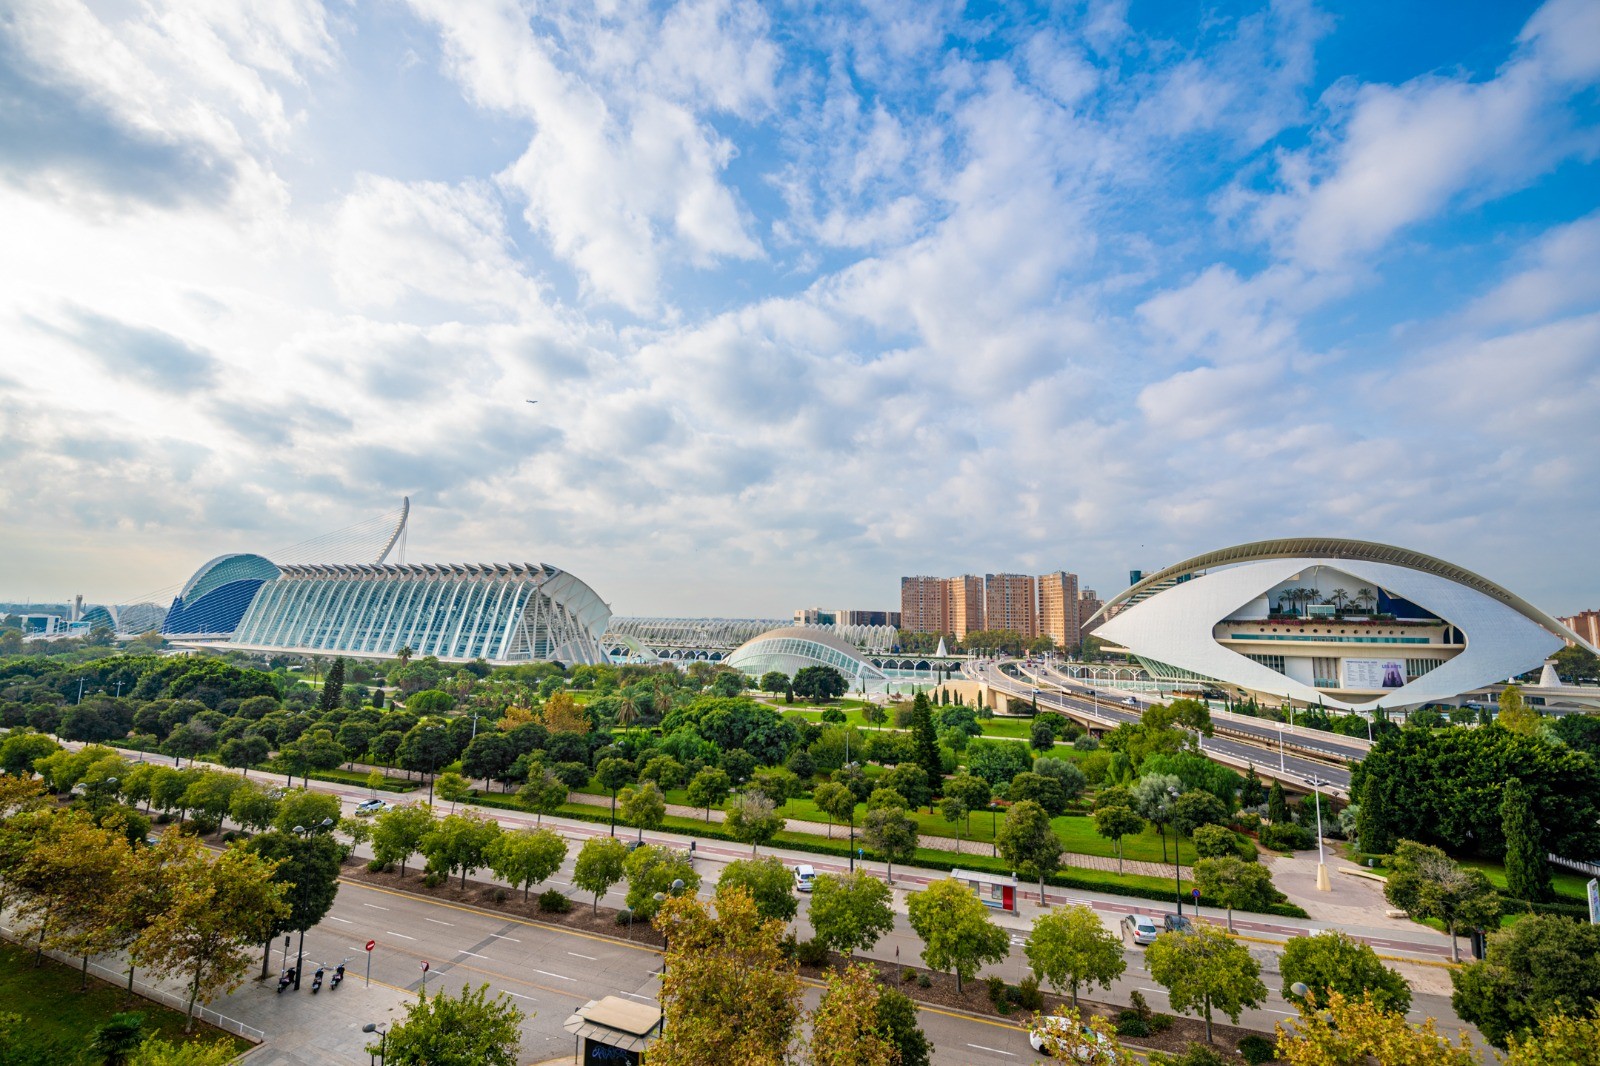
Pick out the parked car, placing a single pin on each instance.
(1052, 1025)
(1141, 928)
(804, 876)
(367, 808)
(1176, 923)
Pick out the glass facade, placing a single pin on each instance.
(502, 613)
(789, 650)
(217, 596)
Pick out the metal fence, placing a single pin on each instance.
(149, 991)
(1592, 869)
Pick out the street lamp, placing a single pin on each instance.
(1177, 839)
(1280, 747)
(1322, 870)
(383, 1042)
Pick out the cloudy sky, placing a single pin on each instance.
(810, 295)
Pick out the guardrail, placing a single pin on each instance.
(119, 978)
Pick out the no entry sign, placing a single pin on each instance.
(371, 944)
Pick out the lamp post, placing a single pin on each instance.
(1177, 879)
(383, 1040)
(1322, 870)
(1280, 747)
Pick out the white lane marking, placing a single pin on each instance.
(402, 936)
(591, 958)
(346, 921)
(634, 995)
(1163, 991)
(1285, 1013)
(519, 995)
(474, 954)
(513, 939)
(436, 921)
(375, 907)
(557, 976)
(567, 883)
(996, 1050)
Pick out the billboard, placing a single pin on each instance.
(1374, 673)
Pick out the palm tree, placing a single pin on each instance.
(1366, 598)
(1340, 598)
(404, 654)
(627, 712)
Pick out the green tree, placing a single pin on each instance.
(599, 866)
(209, 912)
(1114, 823)
(397, 834)
(1204, 971)
(844, 1027)
(644, 807)
(955, 812)
(1070, 947)
(613, 774)
(956, 932)
(892, 833)
(651, 871)
(926, 741)
(1359, 1031)
(1527, 869)
(774, 682)
(1277, 804)
(1194, 809)
(466, 1030)
(752, 819)
(708, 789)
(1214, 842)
(1153, 798)
(1425, 883)
(1516, 714)
(308, 810)
(850, 912)
(526, 857)
(157, 1052)
(118, 1037)
(459, 842)
(728, 993)
(819, 683)
(971, 790)
(1228, 881)
(897, 1020)
(768, 882)
(1543, 966)
(1029, 843)
(452, 788)
(332, 688)
(543, 794)
(836, 801)
(308, 869)
(1330, 961)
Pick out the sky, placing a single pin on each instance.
(811, 296)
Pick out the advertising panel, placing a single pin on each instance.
(1374, 673)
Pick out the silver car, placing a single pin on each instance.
(1142, 929)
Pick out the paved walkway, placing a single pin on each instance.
(964, 847)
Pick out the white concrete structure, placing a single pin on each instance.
(1347, 624)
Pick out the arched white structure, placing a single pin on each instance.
(1267, 618)
(791, 648)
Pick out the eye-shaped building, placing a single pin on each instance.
(1349, 624)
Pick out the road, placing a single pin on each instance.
(1294, 769)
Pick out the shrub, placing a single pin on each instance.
(500, 895)
(1160, 1023)
(1199, 1055)
(435, 878)
(1256, 1050)
(1130, 1024)
(1028, 995)
(1138, 1006)
(997, 991)
(378, 866)
(922, 981)
(908, 974)
(551, 901)
(812, 952)
(1087, 742)
(1285, 836)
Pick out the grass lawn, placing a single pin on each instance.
(1570, 887)
(48, 998)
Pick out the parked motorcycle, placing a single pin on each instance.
(285, 979)
(338, 975)
(316, 981)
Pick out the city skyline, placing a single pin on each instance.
(808, 299)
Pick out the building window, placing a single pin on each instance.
(1271, 662)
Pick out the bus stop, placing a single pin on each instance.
(613, 1031)
(993, 890)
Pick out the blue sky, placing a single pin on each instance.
(811, 296)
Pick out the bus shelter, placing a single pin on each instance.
(613, 1031)
(993, 890)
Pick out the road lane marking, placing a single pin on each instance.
(997, 1051)
(635, 995)
(591, 958)
(519, 995)
(402, 936)
(475, 955)
(557, 976)
(375, 907)
(335, 918)
(436, 921)
(513, 939)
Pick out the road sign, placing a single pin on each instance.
(371, 944)
(1594, 900)
(1196, 894)
(424, 966)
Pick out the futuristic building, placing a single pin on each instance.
(1347, 624)
(216, 597)
(791, 648)
(714, 639)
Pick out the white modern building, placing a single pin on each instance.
(789, 649)
(1347, 624)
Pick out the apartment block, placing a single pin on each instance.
(1011, 601)
(925, 604)
(966, 605)
(1586, 624)
(1088, 603)
(1058, 608)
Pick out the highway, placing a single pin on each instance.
(1293, 769)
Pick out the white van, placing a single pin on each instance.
(804, 875)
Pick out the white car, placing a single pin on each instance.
(367, 808)
(804, 877)
(1052, 1025)
(1141, 928)
(1130, 701)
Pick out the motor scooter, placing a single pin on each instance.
(338, 975)
(285, 979)
(316, 981)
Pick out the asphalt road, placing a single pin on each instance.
(1237, 753)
